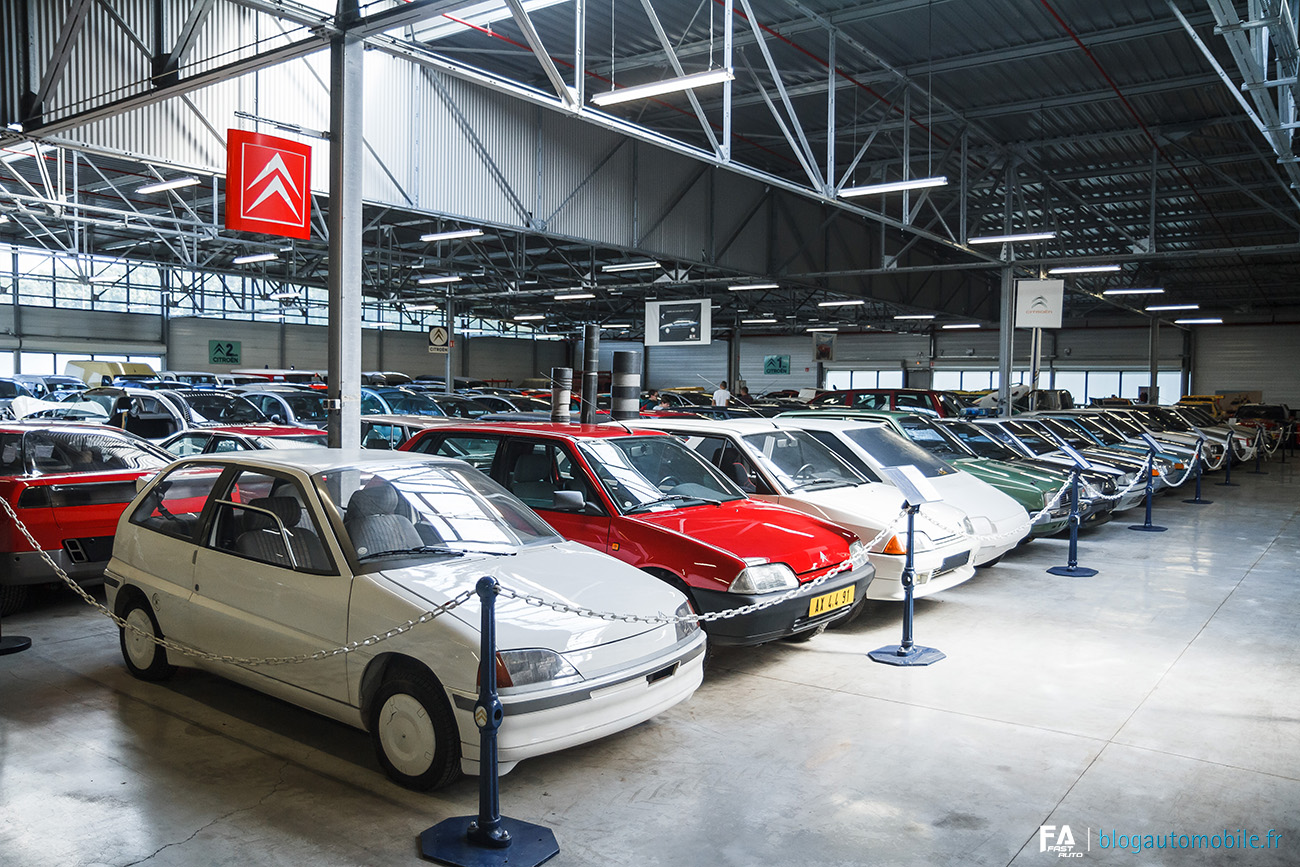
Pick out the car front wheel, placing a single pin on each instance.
(145, 658)
(414, 733)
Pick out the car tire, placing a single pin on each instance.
(415, 735)
(12, 598)
(144, 658)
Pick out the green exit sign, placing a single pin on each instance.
(223, 352)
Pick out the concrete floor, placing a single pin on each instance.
(1161, 696)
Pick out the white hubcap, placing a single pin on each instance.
(407, 735)
(140, 647)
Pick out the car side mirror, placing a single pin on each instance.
(277, 418)
(569, 501)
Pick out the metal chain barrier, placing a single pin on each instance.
(1138, 479)
(186, 650)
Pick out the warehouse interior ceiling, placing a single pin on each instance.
(1155, 135)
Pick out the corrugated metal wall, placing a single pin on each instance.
(754, 350)
(510, 359)
(703, 366)
(49, 329)
(1248, 358)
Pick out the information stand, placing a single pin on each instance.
(1152, 447)
(916, 491)
(1079, 464)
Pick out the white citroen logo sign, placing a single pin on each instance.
(275, 166)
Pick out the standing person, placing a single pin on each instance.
(744, 397)
(722, 397)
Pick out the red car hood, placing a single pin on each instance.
(749, 529)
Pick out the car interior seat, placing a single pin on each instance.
(531, 480)
(263, 540)
(374, 525)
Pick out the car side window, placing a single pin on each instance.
(731, 460)
(174, 505)
(190, 444)
(372, 405)
(382, 436)
(262, 517)
(871, 401)
(227, 444)
(534, 471)
(479, 451)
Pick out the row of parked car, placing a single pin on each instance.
(770, 528)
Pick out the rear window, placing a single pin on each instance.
(90, 452)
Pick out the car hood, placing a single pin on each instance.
(567, 573)
(868, 509)
(1008, 477)
(749, 529)
(978, 499)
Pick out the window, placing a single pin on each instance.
(262, 517)
(173, 506)
(731, 459)
(190, 444)
(534, 471)
(479, 451)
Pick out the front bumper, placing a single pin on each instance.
(786, 618)
(540, 722)
(935, 571)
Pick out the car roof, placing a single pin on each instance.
(412, 420)
(720, 425)
(311, 460)
(546, 428)
(813, 422)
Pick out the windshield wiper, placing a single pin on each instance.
(422, 549)
(822, 483)
(672, 498)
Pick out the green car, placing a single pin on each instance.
(1032, 488)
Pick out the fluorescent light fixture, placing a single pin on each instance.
(1156, 307)
(284, 296)
(821, 329)
(451, 235)
(420, 307)
(429, 281)
(630, 266)
(1083, 269)
(167, 185)
(915, 316)
(851, 302)
(1011, 239)
(758, 322)
(955, 325)
(255, 257)
(1211, 321)
(574, 296)
(616, 325)
(668, 85)
(529, 317)
(753, 286)
(894, 186)
(1133, 292)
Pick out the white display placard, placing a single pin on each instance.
(678, 323)
(915, 487)
(1039, 303)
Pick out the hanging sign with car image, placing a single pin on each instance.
(678, 323)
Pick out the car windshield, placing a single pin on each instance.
(44, 452)
(933, 438)
(1126, 427)
(1034, 440)
(217, 408)
(1070, 434)
(983, 445)
(799, 461)
(1169, 421)
(410, 403)
(648, 473)
(889, 449)
(1197, 416)
(420, 510)
(1098, 428)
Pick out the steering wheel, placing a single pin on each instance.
(668, 482)
(804, 472)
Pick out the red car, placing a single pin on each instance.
(68, 484)
(922, 400)
(647, 499)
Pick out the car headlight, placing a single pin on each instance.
(685, 627)
(858, 554)
(534, 665)
(966, 525)
(765, 578)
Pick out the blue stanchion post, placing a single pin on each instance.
(1073, 567)
(908, 653)
(1227, 466)
(488, 839)
(1197, 501)
(1259, 450)
(1146, 526)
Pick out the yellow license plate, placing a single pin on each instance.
(830, 601)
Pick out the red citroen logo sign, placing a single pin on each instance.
(268, 184)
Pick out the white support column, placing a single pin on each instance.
(1153, 390)
(346, 156)
(1006, 340)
